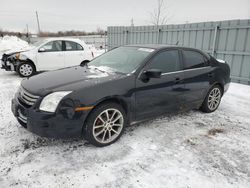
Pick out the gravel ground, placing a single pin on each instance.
(191, 149)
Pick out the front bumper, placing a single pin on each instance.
(48, 124)
(7, 65)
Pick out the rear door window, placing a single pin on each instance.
(72, 46)
(166, 61)
(193, 59)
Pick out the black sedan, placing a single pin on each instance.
(127, 85)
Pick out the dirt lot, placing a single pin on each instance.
(186, 150)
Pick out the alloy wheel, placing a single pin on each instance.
(214, 98)
(108, 125)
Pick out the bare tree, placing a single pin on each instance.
(100, 31)
(160, 15)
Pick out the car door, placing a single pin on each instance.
(50, 56)
(197, 77)
(74, 53)
(160, 95)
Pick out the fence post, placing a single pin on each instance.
(126, 36)
(215, 39)
(105, 40)
(158, 35)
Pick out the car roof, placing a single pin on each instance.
(64, 38)
(164, 46)
(159, 46)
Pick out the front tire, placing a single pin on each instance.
(105, 124)
(212, 100)
(25, 69)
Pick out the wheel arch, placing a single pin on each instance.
(30, 61)
(111, 99)
(219, 84)
(211, 86)
(114, 99)
(84, 62)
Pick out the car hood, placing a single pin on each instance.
(14, 51)
(67, 79)
(9, 53)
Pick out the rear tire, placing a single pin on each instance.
(212, 100)
(25, 69)
(105, 124)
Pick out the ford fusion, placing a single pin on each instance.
(127, 85)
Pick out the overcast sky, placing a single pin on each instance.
(89, 14)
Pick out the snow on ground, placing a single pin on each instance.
(95, 51)
(191, 149)
(99, 52)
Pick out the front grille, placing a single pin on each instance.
(27, 97)
(21, 117)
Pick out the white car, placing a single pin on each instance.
(48, 54)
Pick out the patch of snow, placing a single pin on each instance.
(146, 49)
(102, 68)
(170, 151)
(99, 52)
(96, 72)
(98, 75)
(12, 43)
(221, 61)
(95, 51)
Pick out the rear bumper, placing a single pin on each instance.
(47, 124)
(226, 86)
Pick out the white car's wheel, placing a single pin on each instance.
(25, 69)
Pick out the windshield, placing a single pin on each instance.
(122, 59)
(38, 43)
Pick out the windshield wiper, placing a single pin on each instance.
(100, 70)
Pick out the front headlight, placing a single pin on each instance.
(17, 55)
(51, 101)
(20, 56)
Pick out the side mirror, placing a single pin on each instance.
(153, 73)
(41, 49)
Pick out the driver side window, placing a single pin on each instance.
(53, 46)
(166, 61)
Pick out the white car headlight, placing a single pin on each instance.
(51, 101)
(22, 57)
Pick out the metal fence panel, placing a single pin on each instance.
(228, 40)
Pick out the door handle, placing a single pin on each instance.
(177, 80)
(211, 74)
